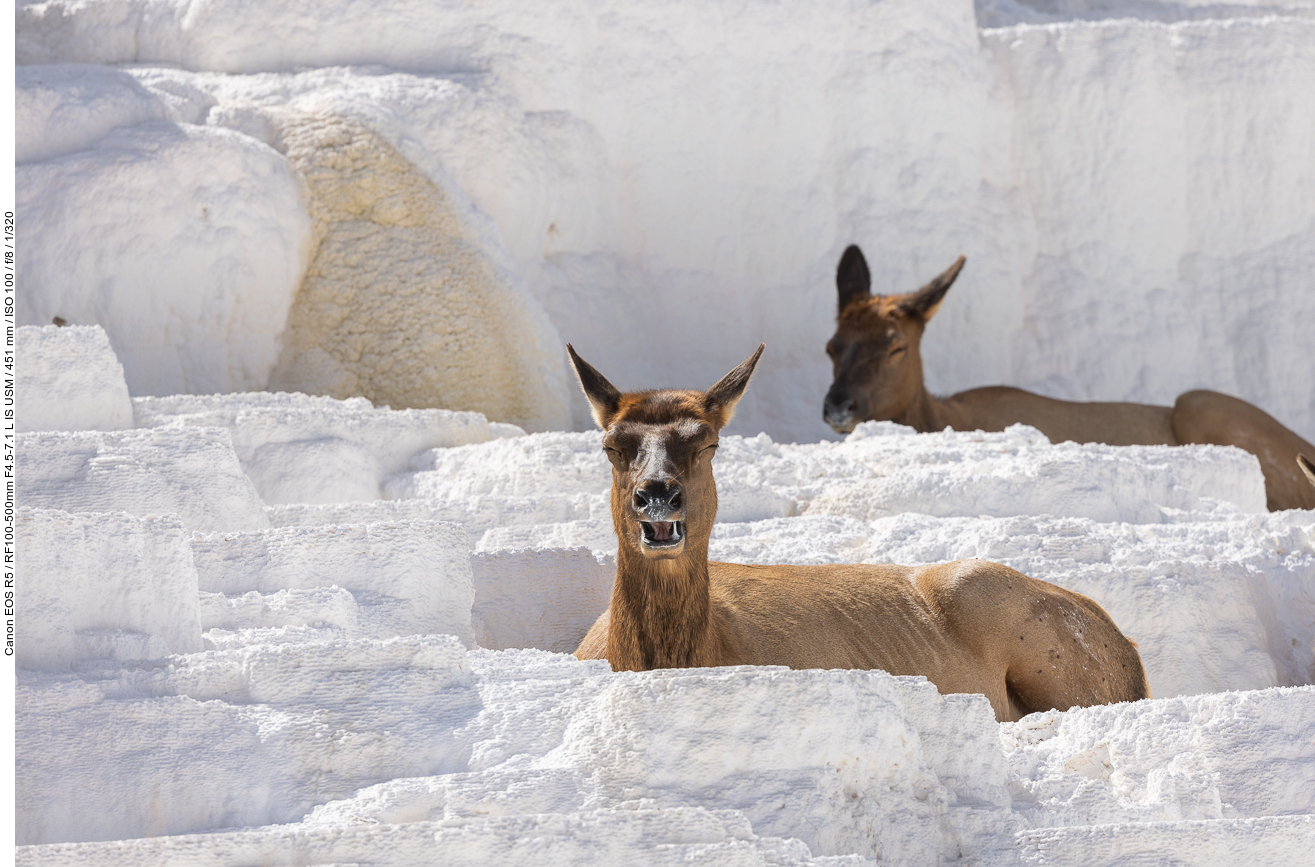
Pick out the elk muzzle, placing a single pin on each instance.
(840, 411)
(661, 509)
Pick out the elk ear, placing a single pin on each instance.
(853, 282)
(1307, 467)
(923, 303)
(719, 401)
(604, 398)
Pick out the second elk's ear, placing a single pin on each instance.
(720, 400)
(1307, 467)
(853, 282)
(923, 303)
(604, 398)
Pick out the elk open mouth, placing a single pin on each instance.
(662, 534)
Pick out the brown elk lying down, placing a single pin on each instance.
(968, 626)
(877, 370)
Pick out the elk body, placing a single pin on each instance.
(968, 626)
(877, 375)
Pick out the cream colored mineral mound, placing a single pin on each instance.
(402, 304)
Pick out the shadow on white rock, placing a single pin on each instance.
(405, 578)
(104, 587)
(298, 448)
(191, 473)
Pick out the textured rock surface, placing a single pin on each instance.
(1131, 193)
(431, 320)
(302, 449)
(104, 586)
(193, 474)
(421, 569)
(186, 243)
(69, 379)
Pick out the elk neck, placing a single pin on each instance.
(924, 413)
(660, 614)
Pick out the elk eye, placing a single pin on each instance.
(896, 350)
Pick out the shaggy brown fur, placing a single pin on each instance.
(968, 626)
(877, 375)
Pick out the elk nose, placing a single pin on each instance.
(838, 410)
(658, 499)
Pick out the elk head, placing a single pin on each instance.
(661, 445)
(875, 353)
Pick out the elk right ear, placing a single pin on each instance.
(604, 398)
(924, 302)
(853, 282)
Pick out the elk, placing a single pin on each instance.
(877, 375)
(969, 626)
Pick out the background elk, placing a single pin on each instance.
(877, 375)
(968, 626)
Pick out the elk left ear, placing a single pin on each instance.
(720, 400)
(924, 303)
